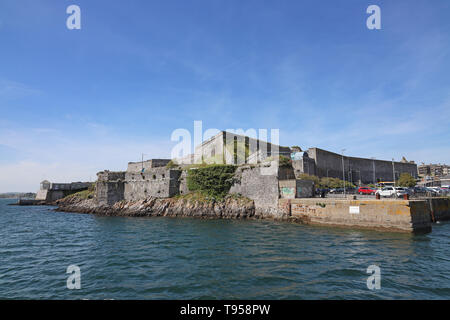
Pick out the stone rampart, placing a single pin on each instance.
(329, 164)
(110, 187)
(261, 188)
(146, 165)
(155, 182)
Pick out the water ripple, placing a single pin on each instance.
(167, 258)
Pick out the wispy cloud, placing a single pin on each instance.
(13, 90)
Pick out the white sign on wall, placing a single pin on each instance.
(354, 210)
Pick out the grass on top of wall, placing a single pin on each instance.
(203, 198)
(82, 195)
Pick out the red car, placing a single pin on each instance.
(366, 190)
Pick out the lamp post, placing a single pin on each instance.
(343, 170)
(393, 170)
(143, 154)
(374, 178)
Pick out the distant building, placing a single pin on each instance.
(445, 181)
(435, 170)
(446, 170)
(49, 191)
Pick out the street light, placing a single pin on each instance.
(143, 154)
(374, 178)
(343, 170)
(393, 171)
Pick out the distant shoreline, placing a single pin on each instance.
(17, 195)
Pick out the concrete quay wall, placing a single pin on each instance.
(391, 215)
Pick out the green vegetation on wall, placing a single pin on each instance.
(171, 165)
(82, 195)
(211, 180)
(285, 162)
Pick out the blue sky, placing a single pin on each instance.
(74, 102)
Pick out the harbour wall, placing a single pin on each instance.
(395, 215)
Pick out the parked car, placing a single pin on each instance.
(403, 191)
(366, 190)
(392, 192)
(322, 192)
(431, 191)
(435, 191)
(443, 191)
(341, 190)
(337, 190)
(419, 190)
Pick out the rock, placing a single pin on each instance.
(229, 208)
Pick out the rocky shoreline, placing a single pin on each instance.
(229, 208)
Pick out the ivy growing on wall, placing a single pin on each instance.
(212, 180)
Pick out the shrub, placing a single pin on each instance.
(285, 162)
(335, 183)
(315, 179)
(172, 164)
(212, 180)
(406, 180)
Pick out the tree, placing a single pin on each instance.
(315, 179)
(406, 180)
(335, 183)
(285, 162)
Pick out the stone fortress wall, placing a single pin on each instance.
(146, 165)
(222, 148)
(264, 182)
(329, 164)
(158, 182)
(110, 187)
(50, 192)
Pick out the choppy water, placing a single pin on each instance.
(168, 258)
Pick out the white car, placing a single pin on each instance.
(392, 192)
(435, 190)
